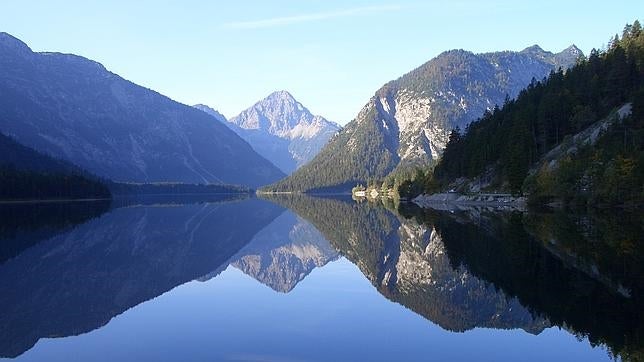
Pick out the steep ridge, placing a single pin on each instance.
(407, 122)
(26, 174)
(74, 109)
(575, 137)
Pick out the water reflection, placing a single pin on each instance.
(71, 269)
(23, 225)
(284, 253)
(407, 262)
(473, 267)
(78, 280)
(583, 272)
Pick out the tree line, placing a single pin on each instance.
(18, 184)
(508, 142)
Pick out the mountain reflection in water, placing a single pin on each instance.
(68, 269)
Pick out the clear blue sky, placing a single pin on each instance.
(332, 55)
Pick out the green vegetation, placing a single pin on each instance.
(579, 271)
(458, 84)
(409, 186)
(513, 139)
(338, 167)
(29, 185)
(28, 175)
(171, 188)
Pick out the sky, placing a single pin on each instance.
(331, 55)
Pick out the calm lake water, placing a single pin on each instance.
(316, 279)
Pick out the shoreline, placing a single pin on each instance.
(482, 200)
(49, 201)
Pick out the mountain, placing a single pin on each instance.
(281, 129)
(13, 154)
(213, 112)
(576, 137)
(74, 109)
(28, 174)
(408, 121)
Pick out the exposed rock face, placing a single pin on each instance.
(74, 109)
(284, 253)
(282, 130)
(407, 122)
(424, 280)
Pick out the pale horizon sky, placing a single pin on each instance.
(331, 55)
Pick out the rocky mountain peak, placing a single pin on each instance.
(73, 109)
(278, 114)
(281, 115)
(572, 50)
(282, 130)
(408, 121)
(533, 49)
(282, 95)
(568, 57)
(12, 47)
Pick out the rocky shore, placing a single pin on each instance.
(451, 200)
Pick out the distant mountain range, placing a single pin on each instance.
(280, 129)
(407, 122)
(74, 109)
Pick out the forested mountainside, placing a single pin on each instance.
(74, 109)
(27, 175)
(407, 122)
(577, 136)
(280, 129)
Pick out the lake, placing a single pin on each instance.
(299, 278)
